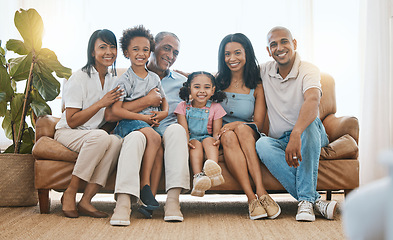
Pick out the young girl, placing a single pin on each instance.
(202, 118)
(137, 44)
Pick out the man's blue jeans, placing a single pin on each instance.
(300, 182)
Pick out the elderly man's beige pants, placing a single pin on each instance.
(177, 173)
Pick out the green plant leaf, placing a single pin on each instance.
(40, 109)
(38, 105)
(2, 56)
(12, 118)
(5, 83)
(26, 144)
(17, 46)
(10, 149)
(2, 60)
(20, 67)
(7, 126)
(2, 51)
(48, 58)
(27, 141)
(3, 107)
(30, 26)
(16, 106)
(46, 84)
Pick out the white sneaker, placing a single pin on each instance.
(172, 212)
(326, 208)
(121, 216)
(201, 183)
(213, 171)
(305, 212)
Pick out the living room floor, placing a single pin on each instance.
(215, 216)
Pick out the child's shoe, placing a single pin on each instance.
(201, 183)
(145, 212)
(147, 199)
(213, 171)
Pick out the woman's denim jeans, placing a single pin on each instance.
(300, 182)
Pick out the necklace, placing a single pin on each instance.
(237, 83)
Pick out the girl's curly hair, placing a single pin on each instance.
(184, 93)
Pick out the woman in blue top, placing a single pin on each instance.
(238, 76)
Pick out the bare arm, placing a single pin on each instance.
(217, 125)
(308, 113)
(77, 117)
(153, 98)
(260, 107)
(119, 111)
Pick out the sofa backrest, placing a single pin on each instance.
(328, 100)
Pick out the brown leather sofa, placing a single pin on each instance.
(338, 166)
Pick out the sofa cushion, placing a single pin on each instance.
(344, 147)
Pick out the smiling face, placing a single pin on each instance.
(138, 51)
(165, 53)
(235, 56)
(104, 54)
(201, 89)
(282, 47)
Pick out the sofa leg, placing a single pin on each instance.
(328, 195)
(44, 201)
(347, 191)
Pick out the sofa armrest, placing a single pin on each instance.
(45, 126)
(343, 148)
(50, 149)
(45, 146)
(337, 127)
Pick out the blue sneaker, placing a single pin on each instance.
(147, 199)
(147, 213)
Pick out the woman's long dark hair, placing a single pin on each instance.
(106, 36)
(251, 74)
(184, 92)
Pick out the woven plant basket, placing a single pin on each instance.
(17, 180)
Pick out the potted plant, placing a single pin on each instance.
(34, 68)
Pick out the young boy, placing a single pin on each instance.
(137, 44)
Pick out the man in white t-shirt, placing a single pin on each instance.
(291, 150)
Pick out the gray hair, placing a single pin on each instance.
(161, 36)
